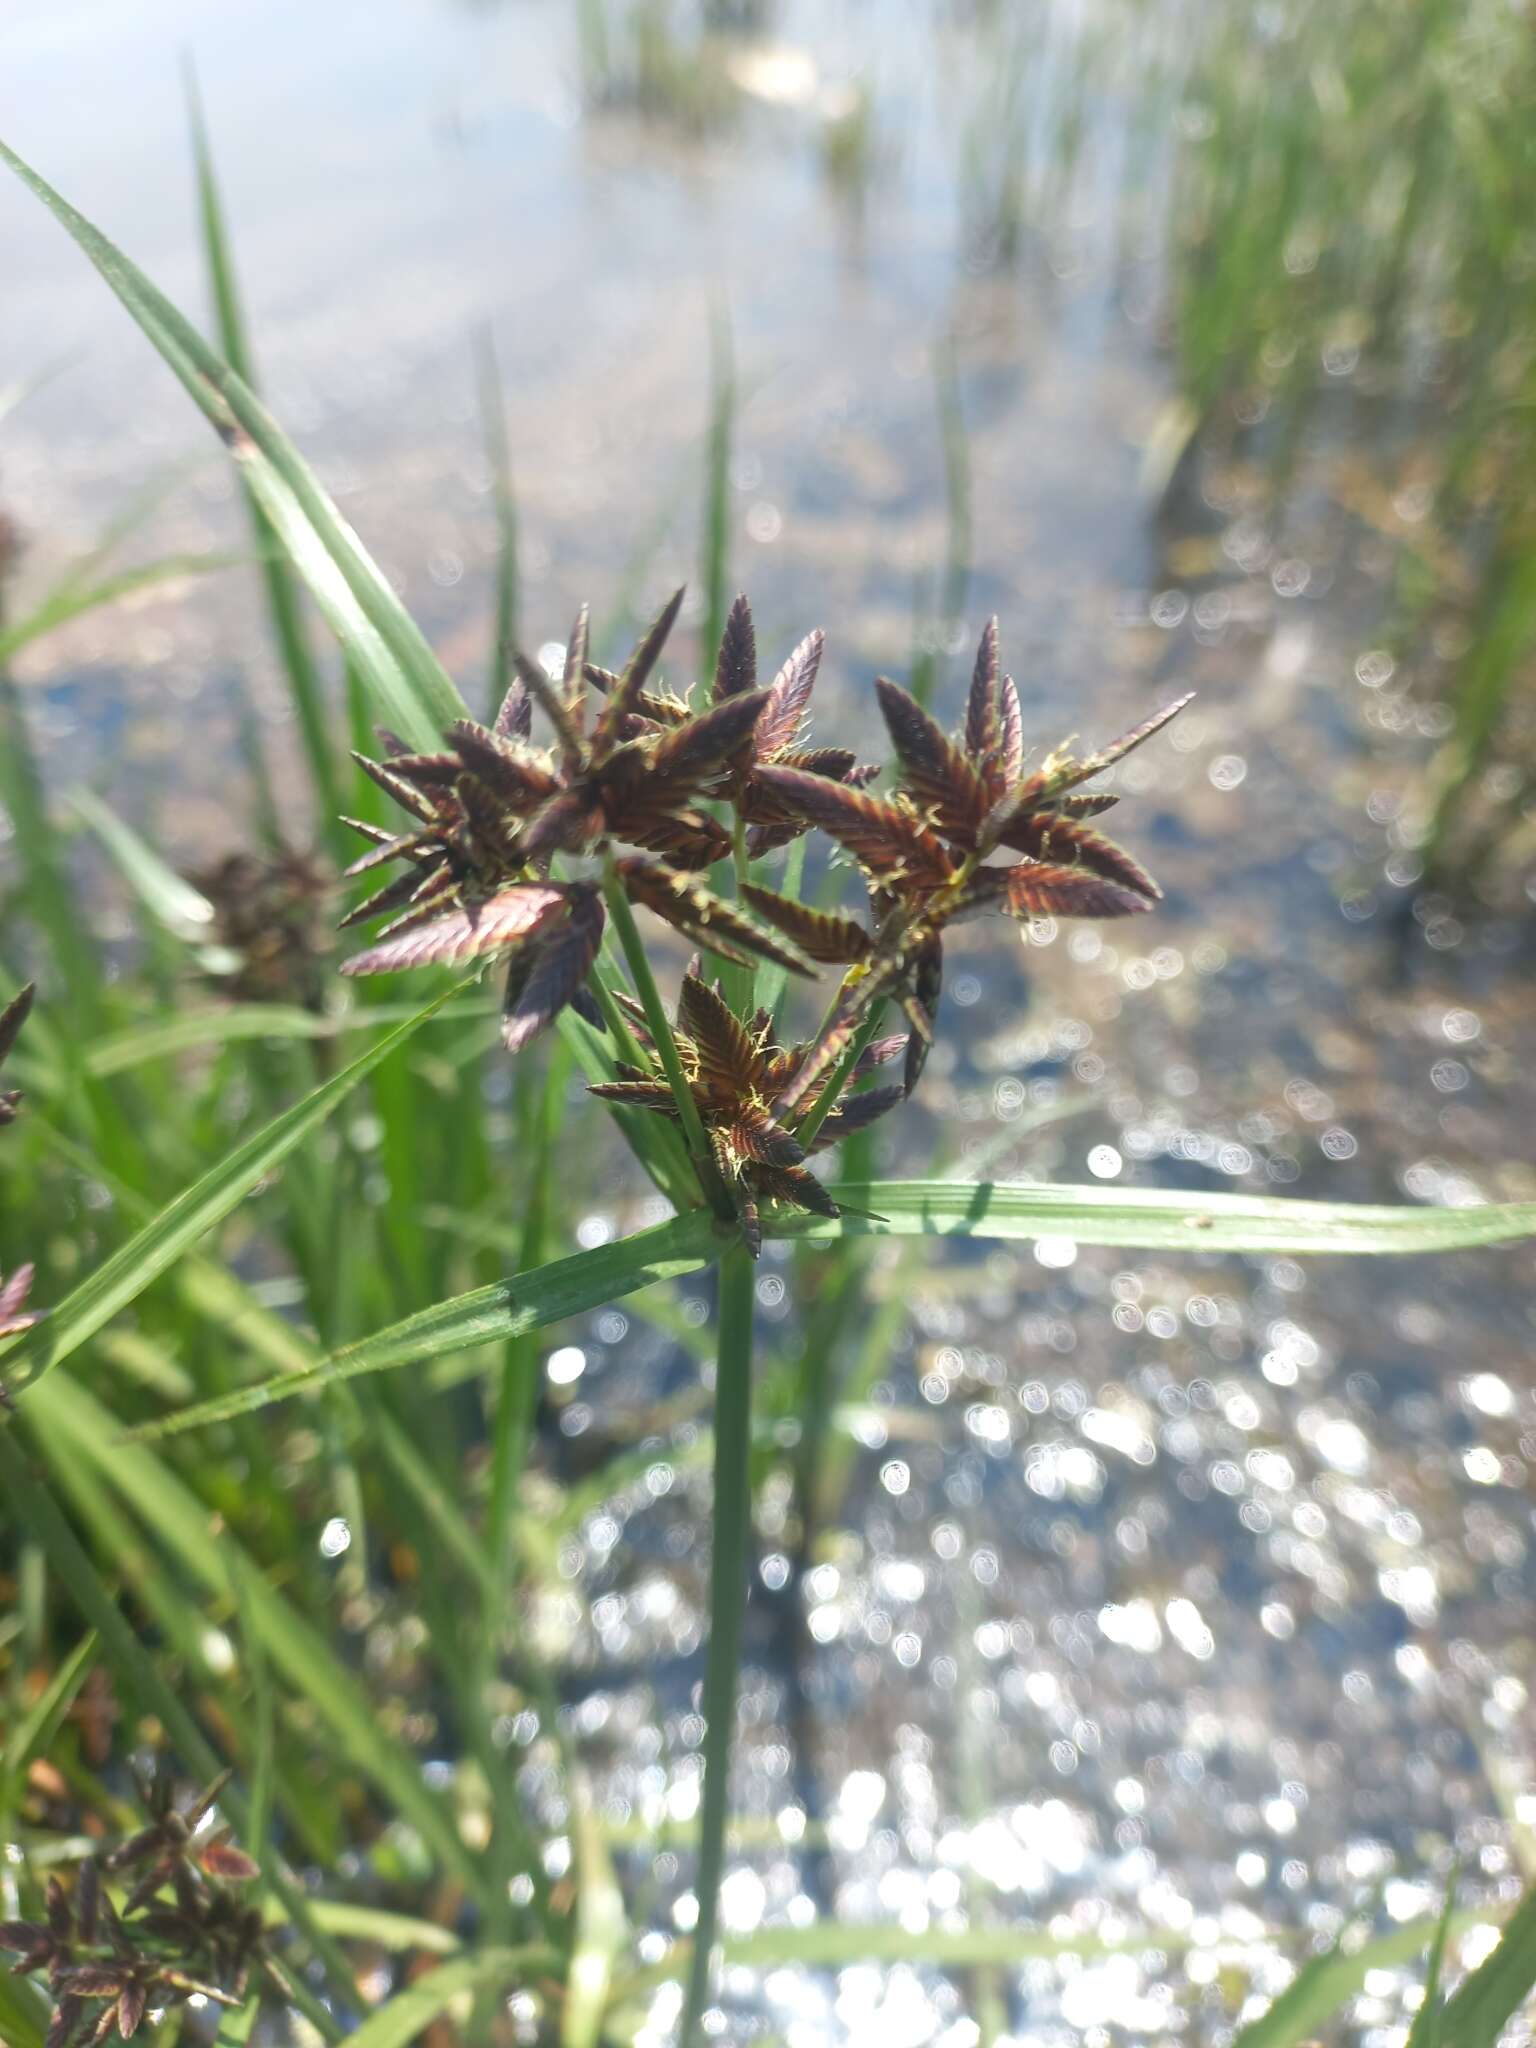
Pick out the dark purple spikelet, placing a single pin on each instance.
(924, 852)
(735, 1073)
(632, 765)
(107, 1967)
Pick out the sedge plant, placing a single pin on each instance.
(549, 845)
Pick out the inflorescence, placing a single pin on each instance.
(495, 821)
(179, 1931)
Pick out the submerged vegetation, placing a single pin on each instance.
(285, 1293)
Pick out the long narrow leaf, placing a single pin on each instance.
(1154, 1219)
(830, 1944)
(493, 421)
(1326, 1983)
(396, 1932)
(36, 1728)
(119, 1051)
(1429, 2020)
(71, 598)
(409, 2014)
(123, 1276)
(1474, 2016)
(1131, 1219)
(23, 2015)
(411, 686)
(566, 1287)
(601, 1929)
(167, 896)
(283, 604)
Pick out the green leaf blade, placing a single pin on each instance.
(1156, 1219)
(1476, 2012)
(123, 1276)
(411, 686)
(489, 1315)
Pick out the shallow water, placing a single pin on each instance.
(1192, 1593)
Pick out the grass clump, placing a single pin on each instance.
(1351, 244)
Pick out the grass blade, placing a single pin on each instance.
(118, 1051)
(410, 2013)
(283, 605)
(395, 1932)
(832, 1944)
(957, 533)
(1131, 1219)
(36, 1728)
(1157, 1219)
(1322, 1985)
(71, 598)
(123, 1276)
(412, 689)
(1475, 2014)
(601, 1927)
(511, 1308)
(70, 1424)
(1428, 2026)
(183, 910)
(493, 419)
(715, 540)
(23, 2015)
(732, 1496)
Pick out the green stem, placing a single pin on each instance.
(741, 981)
(772, 978)
(717, 480)
(38, 1512)
(727, 1603)
(660, 1028)
(493, 420)
(625, 1042)
(837, 1080)
(521, 1376)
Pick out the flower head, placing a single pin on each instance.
(491, 812)
(267, 913)
(776, 739)
(924, 852)
(736, 1073)
(107, 1966)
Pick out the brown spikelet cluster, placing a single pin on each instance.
(268, 912)
(632, 764)
(181, 1931)
(924, 853)
(736, 1074)
(777, 739)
